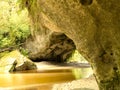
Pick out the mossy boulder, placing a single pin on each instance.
(15, 61)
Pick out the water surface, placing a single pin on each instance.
(41, 79)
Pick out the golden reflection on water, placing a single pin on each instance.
(36, 79)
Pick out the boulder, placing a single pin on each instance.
(15, 61)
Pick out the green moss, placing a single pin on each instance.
(33, 8)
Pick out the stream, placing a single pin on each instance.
(43, 78)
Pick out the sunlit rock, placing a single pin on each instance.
(15, 61)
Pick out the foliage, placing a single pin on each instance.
(79, 72)
(76, 57)
(24, 52)
(14, 24)
(82, 72)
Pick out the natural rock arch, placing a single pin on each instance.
(93, 25)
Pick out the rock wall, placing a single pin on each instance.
(43, 43)
(93, 25)
(89, 24)
(50, 46)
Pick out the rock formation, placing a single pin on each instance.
(93, 25)
(15, 61)
(49, 46)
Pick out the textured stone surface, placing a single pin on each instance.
(15, 61)
(52, 46)
(93, 25)
(45, 44)
(82, 84)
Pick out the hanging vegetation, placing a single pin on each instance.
(14, 24)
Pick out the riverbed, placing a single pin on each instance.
(48, 77)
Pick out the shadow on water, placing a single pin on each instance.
(41, 79)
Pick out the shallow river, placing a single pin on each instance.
(41, 79)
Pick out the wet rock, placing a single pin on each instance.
(15, 61)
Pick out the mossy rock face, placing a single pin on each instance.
(15, 61)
